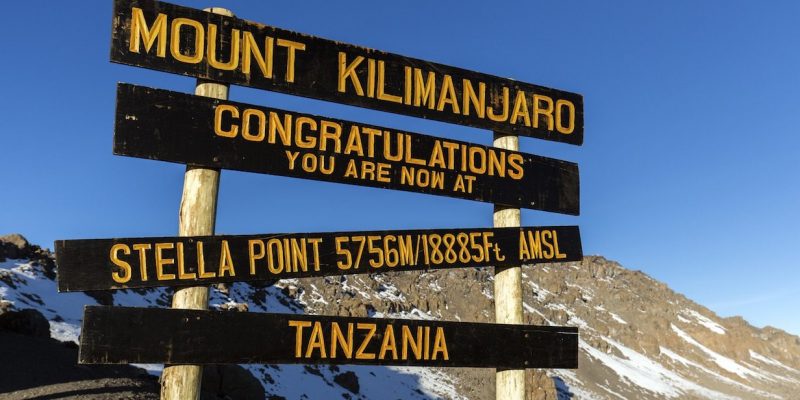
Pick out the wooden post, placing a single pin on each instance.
(509, 383)
(198, 214)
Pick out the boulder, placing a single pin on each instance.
(224, 381)
(27, 322)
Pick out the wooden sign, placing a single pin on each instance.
(191, 42)
(102, 264)
(176, 127)
(116, 335)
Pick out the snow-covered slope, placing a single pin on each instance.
(639, 339)
(25, 286)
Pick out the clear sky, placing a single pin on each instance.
(689, 170)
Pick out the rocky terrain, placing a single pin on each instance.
(639, 339)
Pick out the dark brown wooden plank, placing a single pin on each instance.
(101, 264)
(115, 335)
(177, 127)
(145, 34)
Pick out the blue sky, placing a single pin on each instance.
(689, 168)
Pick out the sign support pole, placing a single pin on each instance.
(509, 383)
(198, 214)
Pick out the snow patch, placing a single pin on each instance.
(722, 361)
(771, 361)
(34, 290)
(617, 318)
(640, 371)
(705, 321)
(689, 363)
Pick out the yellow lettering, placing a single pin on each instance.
(440, 345)
(274, 246)
(338, 339)
(427, 344)
(124, 274)
(182, 274)
(298, 133)
(317, 340)
(559, 255)
(437, 156)
(349, 71)
(497, 163)
(261, 120)
(298, 339)
(382, 95)
(371, 133)
(424, 90)
(283, 129)
(161, 261)
(354, 142)
(250, 49)
(504, 116)
(520, 109)
(534, 241)
(459, 185)
(387, 146)
(571, 124)
(299, 255)
(201, 263)
(478, 101)
(233, 130)
(447, 95)
(225, 261)
(382, 174)
(515, 162)
(546, 112)
(175, 40)
(291, 47)
(524, 252)
(314, 242)
(548, 252)
(370, 78)
(371, 328)
(407, 85)
(330, 131)
(251, 244)
(233, 59)
(409, 340)
(477, 165)
(351, 171)
(139, 31)
(410, 158)
(388, 343)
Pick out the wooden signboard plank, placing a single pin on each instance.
(112, 335)
(177, 127)
(191, 42)
(102, 264)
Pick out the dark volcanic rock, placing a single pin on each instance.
(30, 362)
(91, 389)
(15, 246)
(230, 382)
(348, 380)
(27, 322)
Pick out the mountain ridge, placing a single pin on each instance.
(639, 338)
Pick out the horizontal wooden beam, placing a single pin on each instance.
(113, 335)
(176, 127)
(102, 264)
(187, 41)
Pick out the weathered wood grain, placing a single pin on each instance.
(176, 127)
(112, 335)
(313, 67)
(101, 264)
